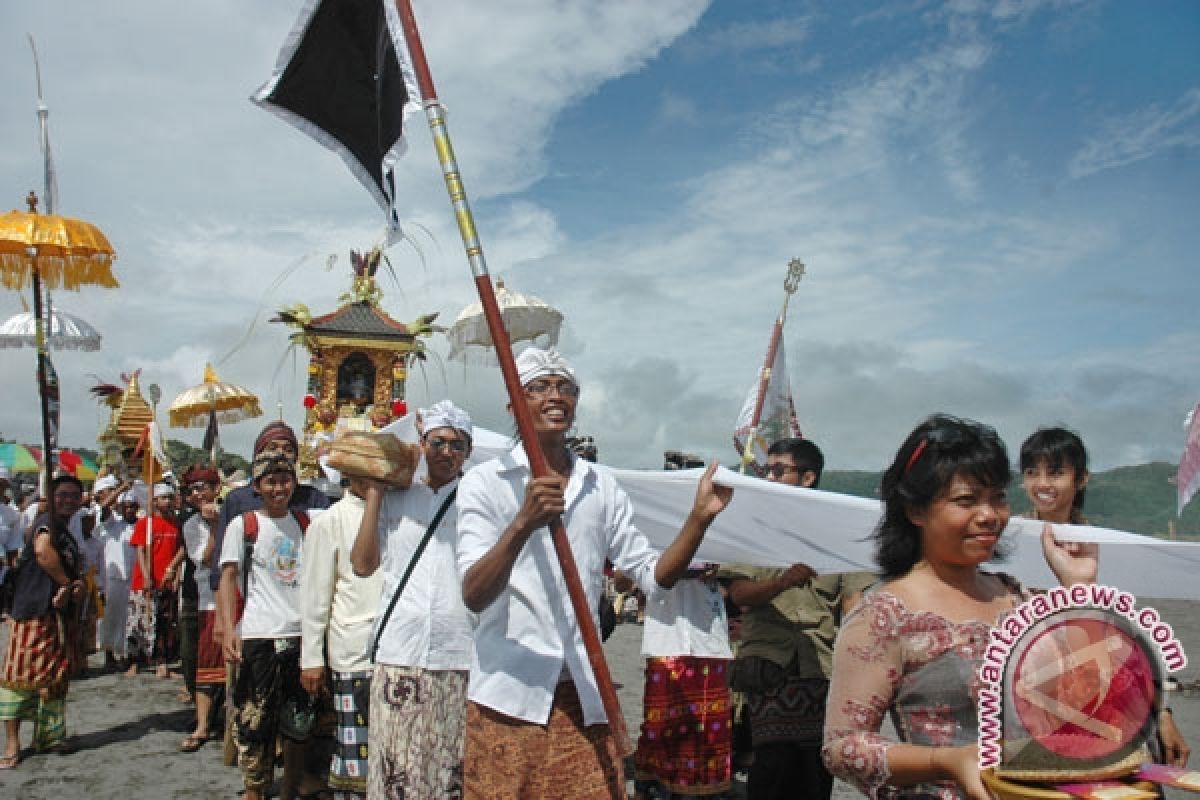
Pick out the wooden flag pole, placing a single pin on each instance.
(487, 297)
(790, 283)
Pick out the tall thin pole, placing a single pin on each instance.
(39, 335)
(43, 308)
(508, 368)
(790, 283)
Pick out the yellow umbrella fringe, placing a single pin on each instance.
(57, 272)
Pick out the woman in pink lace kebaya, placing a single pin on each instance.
(913, 646)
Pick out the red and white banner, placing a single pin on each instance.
(1187, 480)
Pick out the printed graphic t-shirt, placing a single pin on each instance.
(273, 597)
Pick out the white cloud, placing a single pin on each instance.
(923, 274)
(1129, 138)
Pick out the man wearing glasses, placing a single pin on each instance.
(535, 721)
(421, 642)
(789, 621)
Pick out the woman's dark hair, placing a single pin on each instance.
(1058, 448)
(937, 450)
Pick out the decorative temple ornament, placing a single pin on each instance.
(359, 358)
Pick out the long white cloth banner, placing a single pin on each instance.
(770, 524)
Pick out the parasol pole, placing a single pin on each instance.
(790, 283)
(39, 335)
(508, 368)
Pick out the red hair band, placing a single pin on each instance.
(916, 453)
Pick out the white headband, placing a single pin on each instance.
(107, 482)
(446, 415)
(534, 363)
(163, 490)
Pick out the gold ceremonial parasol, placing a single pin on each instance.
(62, 252)
(231, 403)
(57, 252)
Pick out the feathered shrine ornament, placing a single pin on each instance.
(364, 289)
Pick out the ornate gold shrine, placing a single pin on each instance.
(359, 358)
(126, 428)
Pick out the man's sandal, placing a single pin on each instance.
(10, 762)
(192, 743)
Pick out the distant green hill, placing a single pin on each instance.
(1140, 499)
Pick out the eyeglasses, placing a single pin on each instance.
(455, 445)
(779, 470)
(544, 388)
(195, 487)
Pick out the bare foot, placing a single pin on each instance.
(161, 671)
(132, 671)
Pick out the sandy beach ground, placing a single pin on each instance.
(128, 730)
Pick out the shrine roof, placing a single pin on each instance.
(359, 320)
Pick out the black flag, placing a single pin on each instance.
(344, 77)
(210, 436)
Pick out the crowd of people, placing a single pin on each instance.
(419, 642)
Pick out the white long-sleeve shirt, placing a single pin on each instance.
(430, 627)
(337, 607)
(529, 631)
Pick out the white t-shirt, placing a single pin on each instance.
(12, 534)
(195, 539)
(686, 620)
(272, 608)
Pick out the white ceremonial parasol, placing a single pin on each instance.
(527, 318)
(66, 332)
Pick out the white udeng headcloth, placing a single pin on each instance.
(106, 482)
(446, 415)
(534, 363)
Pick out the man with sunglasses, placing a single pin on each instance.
(421, 642)
(789, 621)
(535, 720)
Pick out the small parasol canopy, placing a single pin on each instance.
(19, 458)
(77, 464)
(67, 332)
(527, 318)
(231, 403)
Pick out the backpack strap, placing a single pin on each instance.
(249, 538)
(412, 563)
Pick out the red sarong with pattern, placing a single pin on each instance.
(687, 731)
(36, 657)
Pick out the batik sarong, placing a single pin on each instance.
(268, 684)
(416, 734)
(351, 704)
(34, 678)
(792, 714)
(139, 627)
(687, 731)
(561, 760)
(210, 660)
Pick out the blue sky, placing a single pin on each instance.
(995, 201)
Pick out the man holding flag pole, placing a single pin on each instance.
(348, 74)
